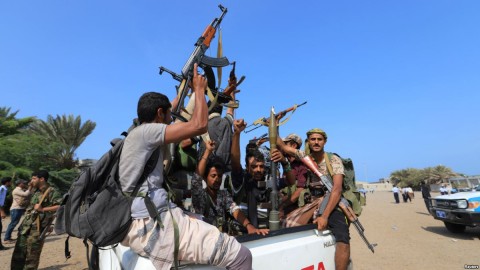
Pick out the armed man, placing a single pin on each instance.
(249, 184)
(331, 217)
(39, 216)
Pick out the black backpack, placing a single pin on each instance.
(95, 208)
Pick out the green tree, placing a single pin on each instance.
(9, 124)
(407, 177)
(68, 131)
(438, 174)
(28, 150)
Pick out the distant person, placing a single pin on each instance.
(6, 181)
(443, 190)
(410, 193)
(426, 195)
(395, 191)
(404, 194)
(21, 199)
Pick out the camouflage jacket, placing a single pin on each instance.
(53, 198)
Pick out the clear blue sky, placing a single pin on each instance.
(395, 84)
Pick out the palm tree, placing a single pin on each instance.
(439, 174)
(399, 176)
(10, 125)
(66, 130)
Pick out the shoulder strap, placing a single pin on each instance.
(327, 157)
(151, 163)
(40, 203)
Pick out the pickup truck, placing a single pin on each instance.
(457, 211)
(302, 247)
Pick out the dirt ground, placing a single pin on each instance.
(407, 237)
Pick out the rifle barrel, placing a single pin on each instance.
(266, 120)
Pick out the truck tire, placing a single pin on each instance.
(454, 228)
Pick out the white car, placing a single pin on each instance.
(457, 211)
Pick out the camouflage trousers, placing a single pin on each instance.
(28, 248)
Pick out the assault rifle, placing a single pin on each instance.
(185, 78)
(264, 121)
(198, 57)
(343, 204)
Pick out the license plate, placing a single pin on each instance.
(441, 214)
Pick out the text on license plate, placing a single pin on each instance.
(441, 214)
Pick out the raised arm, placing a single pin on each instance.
(202, 163)
(198, 123)
(232, 87)
(238, 126)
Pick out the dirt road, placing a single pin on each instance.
(407, 238)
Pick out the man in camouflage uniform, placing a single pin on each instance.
(332, 217)
(43, 205)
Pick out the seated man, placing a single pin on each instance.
(295, 195)
(330, 216)
(163, 233)
(212, 202)
(249, 185)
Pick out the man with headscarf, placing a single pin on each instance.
(331, 217)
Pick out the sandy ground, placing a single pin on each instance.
(407, 238)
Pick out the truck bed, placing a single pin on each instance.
(290, 248)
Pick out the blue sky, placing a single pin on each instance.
(395, 84)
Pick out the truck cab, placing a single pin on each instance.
(457, 211)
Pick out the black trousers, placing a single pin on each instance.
(397, 199)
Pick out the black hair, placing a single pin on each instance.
(41, 174)
(256, 154)
(216, 109)
(148, 105)
(214, 162)
(6, 180)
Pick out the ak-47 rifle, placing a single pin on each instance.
(264, 121)
(185, 78)
(343, 204)
(198, 57)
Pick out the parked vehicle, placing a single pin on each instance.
(457, 211)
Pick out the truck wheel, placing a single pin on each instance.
(455, 228)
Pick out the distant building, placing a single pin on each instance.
(465, 181)
(378, 186)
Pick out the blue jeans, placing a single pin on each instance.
(15, 215)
